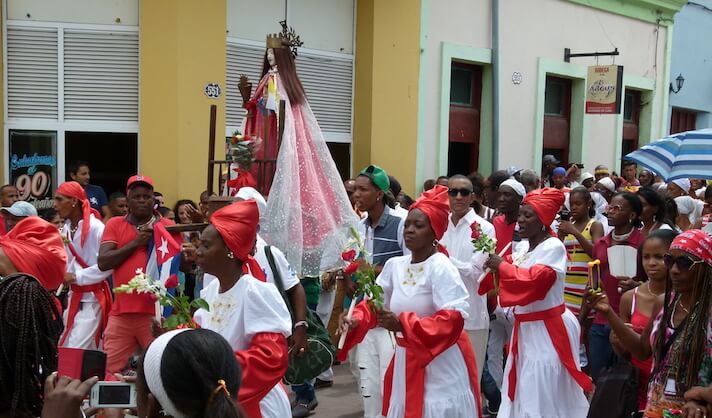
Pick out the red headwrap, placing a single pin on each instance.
(435, 204)
(34, 246)
(546, 204)
(72, 189)
(237, 225)
(694, 242)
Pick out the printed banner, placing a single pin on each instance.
(604, 87)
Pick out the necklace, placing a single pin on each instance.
(621, 237)
(73, 230)
(150, 221)
(647, 286)
(679, 302)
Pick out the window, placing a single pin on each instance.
(554, 96)
(682, 120)
(461, 86)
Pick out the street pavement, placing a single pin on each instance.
(341, 400)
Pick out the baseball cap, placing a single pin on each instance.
(548, 158)
(559, 171)
(139, 180)
(378, 176)
(21, 209)
(585, 176)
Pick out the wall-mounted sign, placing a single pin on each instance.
(604, 88)
(212, 90)
(516, 78)
(33, 166)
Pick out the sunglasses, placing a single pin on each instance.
(463, 192)
(684, 262)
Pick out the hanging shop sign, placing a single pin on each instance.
(33, 166)
(604, 88)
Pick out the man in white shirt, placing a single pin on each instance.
(458, 242)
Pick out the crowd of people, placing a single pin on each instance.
(540, 326)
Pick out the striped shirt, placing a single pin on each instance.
(576, 270)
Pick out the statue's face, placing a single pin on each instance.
(270, 57)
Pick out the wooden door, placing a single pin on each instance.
(464, 125)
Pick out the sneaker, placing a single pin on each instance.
(303, 410)
(321, 384)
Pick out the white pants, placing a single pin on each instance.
(373, 356)
(83, 332)
(500, 333)
(478, 339)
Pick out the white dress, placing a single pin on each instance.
(545, 389)
(87, 320)
(248, 308)
(431, 286)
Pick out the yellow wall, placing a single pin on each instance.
(182, 49)
(386, 87)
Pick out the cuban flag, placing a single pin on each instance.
(164, 261)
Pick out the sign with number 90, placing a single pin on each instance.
(35, 186)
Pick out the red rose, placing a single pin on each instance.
(476, 231)
(349, 255)
(172, 282)
(351, 268)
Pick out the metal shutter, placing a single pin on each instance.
(327, 81)
(100, 75)
(242, 59)
(32, 73)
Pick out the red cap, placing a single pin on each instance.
(135, 180)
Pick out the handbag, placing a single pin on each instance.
(616, 394)
(320, 351)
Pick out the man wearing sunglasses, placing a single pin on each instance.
(457, 240)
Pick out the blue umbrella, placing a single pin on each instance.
(684, 155)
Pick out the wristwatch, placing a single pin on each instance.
(301, 324)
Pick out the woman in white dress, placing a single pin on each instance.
(248, 312)
(543, 378)
(433, 373)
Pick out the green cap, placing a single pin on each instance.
(378, 176)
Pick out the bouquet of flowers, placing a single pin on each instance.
(182, 308)
(481, 241)
(242, 149)
(355, 254)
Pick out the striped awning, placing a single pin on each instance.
(684, 155)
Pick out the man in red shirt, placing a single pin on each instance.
(509, 199)
(124, 248)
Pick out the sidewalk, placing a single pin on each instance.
(341, 400)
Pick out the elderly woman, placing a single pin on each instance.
(546, 379)
(249, 313)
(433, 373)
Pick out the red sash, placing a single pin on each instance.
(103, 295)
(100, 290)
(559, 338)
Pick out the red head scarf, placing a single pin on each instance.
(435, 204)
(72, 189)
(35, 247)
(237, 225)
(546, 204)
(694, 242)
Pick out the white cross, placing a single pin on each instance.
(164, 247)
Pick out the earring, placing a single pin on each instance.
(74, 205)
(435, 243)
(230, 255)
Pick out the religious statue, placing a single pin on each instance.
(306, 201)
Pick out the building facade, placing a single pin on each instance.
(691, 106)
(420, 87)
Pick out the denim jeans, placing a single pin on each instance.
(601, 354)
(490, 389)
